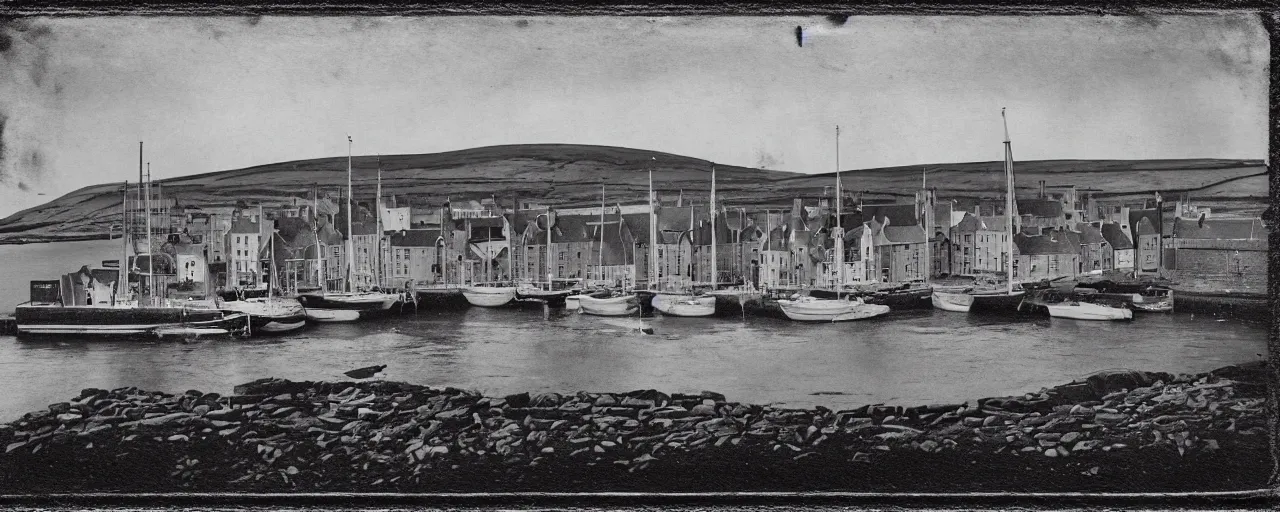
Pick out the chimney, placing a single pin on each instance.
(1041, 189)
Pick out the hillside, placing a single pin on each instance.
(573, 175)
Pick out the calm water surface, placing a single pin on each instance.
(907, 358)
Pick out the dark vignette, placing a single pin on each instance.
(12, 11)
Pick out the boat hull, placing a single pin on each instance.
(271, 315)
(489, 297)
(346, 307)
(1086, 311)
(684, 305)
(953, 302)
(121, 321)
(1002, 302)
(613, 306)
(829, 310)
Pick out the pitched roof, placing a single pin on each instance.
(1151, 215)
(968, 223)
(898, 214)
(904, 234)
(1220, 229)
(674, 218)
(242, 225)
(364, 228)
(1040, 207)
(1044, 244)
(573, 228)
(415, 238)
(994, 222)
(1144, 226)
(1089, 234)
(1116, 237)
(638, 225)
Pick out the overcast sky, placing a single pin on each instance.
(208, 94)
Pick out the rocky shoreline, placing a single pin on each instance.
(1117, 432)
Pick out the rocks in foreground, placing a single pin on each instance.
(1113, 431)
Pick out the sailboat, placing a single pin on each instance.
(270, 314)
(349, 305)
(488, 294)
(548, 291)
(841, 308)
(680, 303)
(1003, 298)
(621, 303)
(89, 303)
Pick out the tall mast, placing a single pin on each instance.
(350, 243)
(315, 230)
(714, 269)
(1008, 205)
(839, 228)
(151, 257)
(122, 283)
(653, 235)
(928, 228)
(600, 258)
(377, 204)
(262, 219)
(550, 269)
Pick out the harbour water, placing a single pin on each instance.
(907, 358)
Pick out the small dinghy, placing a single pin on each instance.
(809, 309)
(622, 305)
(489, 296)
(684, 305)
(1076, 310)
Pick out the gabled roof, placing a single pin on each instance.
(329, 235)
(994, 222)
(1040, 207)
(415, 238)
(968, 223)
(638, 225)
(904, 234)
(1151, 215)
(736, 220)
(776, 240)
(674, 218)
(364, 228)
(573, 228)
(898, 214)
(1220, 229)
(244, 226)
(1044, 245)
(1089, 234)
(1144, 226)
(1116, 237)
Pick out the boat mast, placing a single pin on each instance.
(839, 228)
(653, 235)
(551, 273)
(351, 261)
(1008, 205)
(261, 220)
(315, 230)
(928, 236)
(714, 270)
(122, 283)
(151, 256)
(377, 204)
(600, 258)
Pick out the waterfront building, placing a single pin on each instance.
(573, 246)
(799, 244)
(1121, 247)
(859, 246)
(1146, 231)
(417, 256)
(898, 254)
(1038, 214)
(244, 242)
(365, 243)
(1219, 253)
(1050, 255)
(1095, 252)
(964, 236)
(673, 252)
(992, 244)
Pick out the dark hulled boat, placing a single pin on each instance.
(122, 320)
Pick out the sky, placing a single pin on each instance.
(210, 94)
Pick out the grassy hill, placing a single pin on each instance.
(572, 175)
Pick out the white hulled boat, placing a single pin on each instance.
(809, 309)
(1088, 311)
(1008, 297)
(327, 306)
(621, 305)
(489, 296)
(270, 314)
(684, 305)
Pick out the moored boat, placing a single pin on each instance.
(621, 305)
(489, 296)
(958, 302)
(684, 305)
(810, 309)
(346, 307)
(270, 315)
(1077, 310)
(121, 320)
